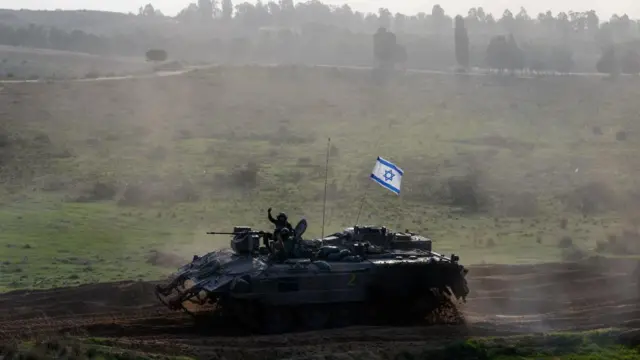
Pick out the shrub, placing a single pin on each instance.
(247, 176)
(4, 139)
(464, 192)
(565, 243)
(156, 55)
(98, 192)
(589, 199)
(573, 253)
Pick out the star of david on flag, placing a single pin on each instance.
(388, 175)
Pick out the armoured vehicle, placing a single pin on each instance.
(360, 275)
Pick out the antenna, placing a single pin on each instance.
(326, 177)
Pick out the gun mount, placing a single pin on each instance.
(244, 240)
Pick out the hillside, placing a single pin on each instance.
(496, 169)
(30, 63)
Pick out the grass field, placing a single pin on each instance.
(98, 175)
(604, 344)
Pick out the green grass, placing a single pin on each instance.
(602, 344)
(76, 349)
(524, 139)
(593, 345)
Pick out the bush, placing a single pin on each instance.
(589, 199)
(133, 195)
(464, 192)
(564, 223)
(574, 254)
(565, 243)
(304, 161)
(92, 75)
(247, 176)
(98, 192)
(156, 55)
(4, 139)
(42, 139)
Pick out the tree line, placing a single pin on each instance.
(314, 32)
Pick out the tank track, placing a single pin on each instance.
(423, 294)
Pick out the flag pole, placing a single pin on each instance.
(326, 178)
(366, 190)
(399, 214)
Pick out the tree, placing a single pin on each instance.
(438, 18)
(503, 53)
(515, 55)
(608, 63)
(593, 22)
(437, 12)
(562, 59)
(401, 56)
(156, 55)
(227, 9)
(563, 25)
(206, 9)
(399, 22)
(384, 48)
(189, 14)
(507, 21)
(147, 10)
(497, 53)
(630, 62)
(461, 43)
(384, 18)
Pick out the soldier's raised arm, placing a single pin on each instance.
(274, 221)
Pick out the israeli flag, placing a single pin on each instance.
(387, 175)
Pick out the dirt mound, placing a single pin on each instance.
(72, 301)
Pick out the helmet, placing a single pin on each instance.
(285, 233)
(282, 216)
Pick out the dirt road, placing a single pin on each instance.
(474, 73)
(504, 300)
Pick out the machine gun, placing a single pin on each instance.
(245, 240)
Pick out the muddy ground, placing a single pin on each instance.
(504, 300)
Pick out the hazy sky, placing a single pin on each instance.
(452, 7)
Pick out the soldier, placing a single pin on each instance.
(283, 245)
(280, 222)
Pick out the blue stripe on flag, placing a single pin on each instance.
(387, 163)
(385, 184)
